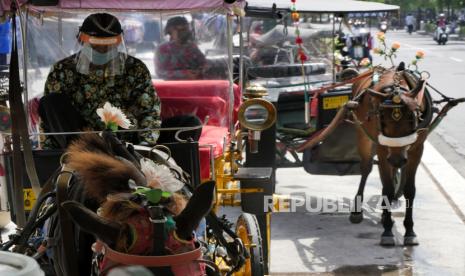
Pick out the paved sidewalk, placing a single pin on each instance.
(309, 243)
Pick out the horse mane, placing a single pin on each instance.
(100, 172)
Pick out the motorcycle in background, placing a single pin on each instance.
(409, 29)
(359, 46)
(383, 26)
(441, 35)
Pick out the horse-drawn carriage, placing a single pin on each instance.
(221, 154)
(225, 152)
(335, 123)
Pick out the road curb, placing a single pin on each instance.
(448, 180)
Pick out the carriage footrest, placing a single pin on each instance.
(254, 173)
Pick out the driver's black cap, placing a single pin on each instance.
(101, 25)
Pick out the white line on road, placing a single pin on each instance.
(450, 183)
(456, 59)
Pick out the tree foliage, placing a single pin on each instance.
(411, 5)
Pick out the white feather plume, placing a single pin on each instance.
(159, 176)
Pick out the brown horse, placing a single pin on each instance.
(127, 222)
(392, 114)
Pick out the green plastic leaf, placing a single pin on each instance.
(112, 126)
(152, 195)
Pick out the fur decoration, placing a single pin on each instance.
(99, 171)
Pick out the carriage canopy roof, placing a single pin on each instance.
(126, 4)
(319, 6)
(324, 6)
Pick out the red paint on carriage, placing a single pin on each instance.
(202, 98)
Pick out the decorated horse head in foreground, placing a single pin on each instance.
(393, 111)
(136, 225)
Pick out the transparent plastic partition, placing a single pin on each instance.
(273, 53)
(190, 77)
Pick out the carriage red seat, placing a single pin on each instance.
(202, 98)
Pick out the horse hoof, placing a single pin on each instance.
(356, 217)
(387, 241)
(410, 241)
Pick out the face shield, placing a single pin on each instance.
(101, 53)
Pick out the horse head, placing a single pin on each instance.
(129, 218)
(396, 101)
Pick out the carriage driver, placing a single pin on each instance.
(101, 71)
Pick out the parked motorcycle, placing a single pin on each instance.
(441, 35)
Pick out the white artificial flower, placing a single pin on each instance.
(112, 115)
(159, 176)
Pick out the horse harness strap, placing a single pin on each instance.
(158, 219)
(19, 131)
(359, 124)
(148, 261)
(342, 83)
(66, 223)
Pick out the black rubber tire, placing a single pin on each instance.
(250, 224)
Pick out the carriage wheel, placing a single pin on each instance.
(249, 232)
(398, 184)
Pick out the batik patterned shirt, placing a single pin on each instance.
(132, 92)
(174, 61)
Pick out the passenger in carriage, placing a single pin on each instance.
(102, 72)
(179, 58)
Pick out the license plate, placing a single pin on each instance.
(335, 102)
(29, 199)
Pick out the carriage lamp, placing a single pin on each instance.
(256, 115)
(255, 91)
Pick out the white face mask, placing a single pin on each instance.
(98, 58)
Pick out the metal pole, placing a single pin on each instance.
(230, 74)
(60, 30)
(241, 54)
(334, 48)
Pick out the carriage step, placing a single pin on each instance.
(254, 173)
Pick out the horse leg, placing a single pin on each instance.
(410, 238)
(366, 165)
(386, 174)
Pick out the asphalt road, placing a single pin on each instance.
(446, 64)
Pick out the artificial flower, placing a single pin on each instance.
(380, 36)
(420, 54)
(295, 16)
(113, 117)
(365, 62)
(159, 176)
(395, 46)
(378, 51)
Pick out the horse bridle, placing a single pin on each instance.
(392, 94)
(160, 260)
